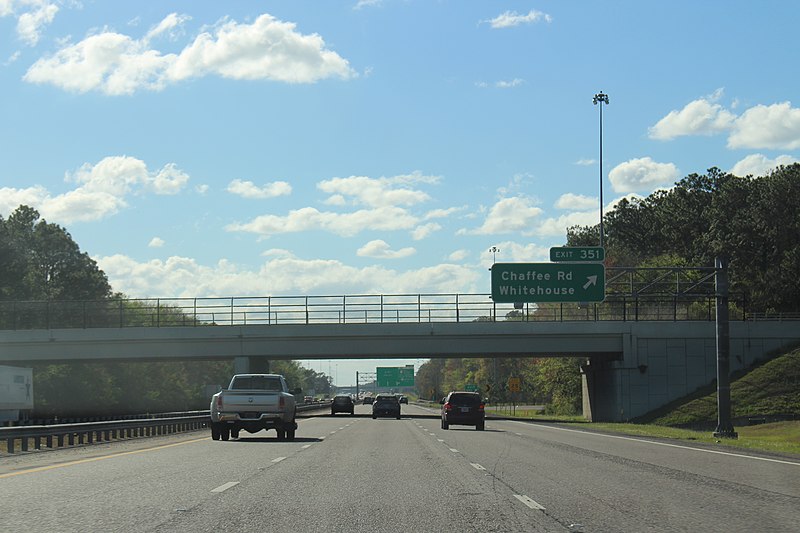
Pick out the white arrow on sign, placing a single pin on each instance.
(592, 281)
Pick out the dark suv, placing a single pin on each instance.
(386, 405)
(342, 404)
(463, 408)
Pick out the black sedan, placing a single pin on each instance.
(342, 404)
(386, 405)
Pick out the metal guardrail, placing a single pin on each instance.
(91, 432)
(94, 432)
(634, 305)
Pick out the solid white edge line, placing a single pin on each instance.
(646, 441)
(226, 486)
(278, 459)
(529, 502)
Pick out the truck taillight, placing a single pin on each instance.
(282, 402)
(447, 406)
(481, 407)
(219, 402)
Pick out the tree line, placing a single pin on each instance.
(752, 222)
(39, 261)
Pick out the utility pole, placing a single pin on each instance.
(601, 99)
(724, 424)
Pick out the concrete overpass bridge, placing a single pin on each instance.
(640, 353)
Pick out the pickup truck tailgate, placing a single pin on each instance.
(251, 404)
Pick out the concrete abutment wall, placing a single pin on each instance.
(663, 362)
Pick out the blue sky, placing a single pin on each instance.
(206, 148)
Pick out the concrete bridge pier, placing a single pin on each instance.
(251, 365)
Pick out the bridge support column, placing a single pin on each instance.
(251, 365)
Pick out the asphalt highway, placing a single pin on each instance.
(356, 474)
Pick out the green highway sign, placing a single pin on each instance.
(471, 387)
(577, 254)
(548, 282)
(395, 376)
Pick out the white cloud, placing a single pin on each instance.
(367, 3)
(171, 26)
(510, 19)
(508, 215)
(116, 64)
(776, 127)
(101, 191)
(420, 232)
(760, 165)
(156, 242)
(576, 202)
(346, 225)
(509, 84)
(247, 189)
(380, 249)
(700, 117)
(443, 213)
(11, 198)
(586, 162)
(557, 227)
(642, 174)
(458, 256)
(378, 192)
(282, 273)
(30, 23)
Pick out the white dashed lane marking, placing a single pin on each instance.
(529, 502)
(226, 486)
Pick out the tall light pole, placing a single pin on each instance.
(601, 99)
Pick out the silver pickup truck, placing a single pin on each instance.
(253, 402)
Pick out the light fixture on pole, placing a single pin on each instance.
(601, 99)
(493, 250)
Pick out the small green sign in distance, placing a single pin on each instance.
(470, 387)
(548, 282)
(577, 254)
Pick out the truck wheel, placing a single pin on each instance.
(234, 433)
(225, 433)
(445, 425)
(281, 434)
(214, 432)
(290, 434)
(352, 412)
(480, 426)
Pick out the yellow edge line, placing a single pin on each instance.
(81, 461)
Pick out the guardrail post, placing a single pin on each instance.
(381, 313)
(306, 310)
(457, 310)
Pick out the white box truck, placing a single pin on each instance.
(16, 393)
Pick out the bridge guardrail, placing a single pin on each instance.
(106, 431)
(352, 309)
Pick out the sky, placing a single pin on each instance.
(202, 148)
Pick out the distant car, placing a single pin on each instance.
(463, 408)
(343, 404)
(308, 399)
(403, 399)
(386, 405)
(368, 400)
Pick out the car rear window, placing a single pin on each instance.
(466, 399)
(391, 399)
(257, 383)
